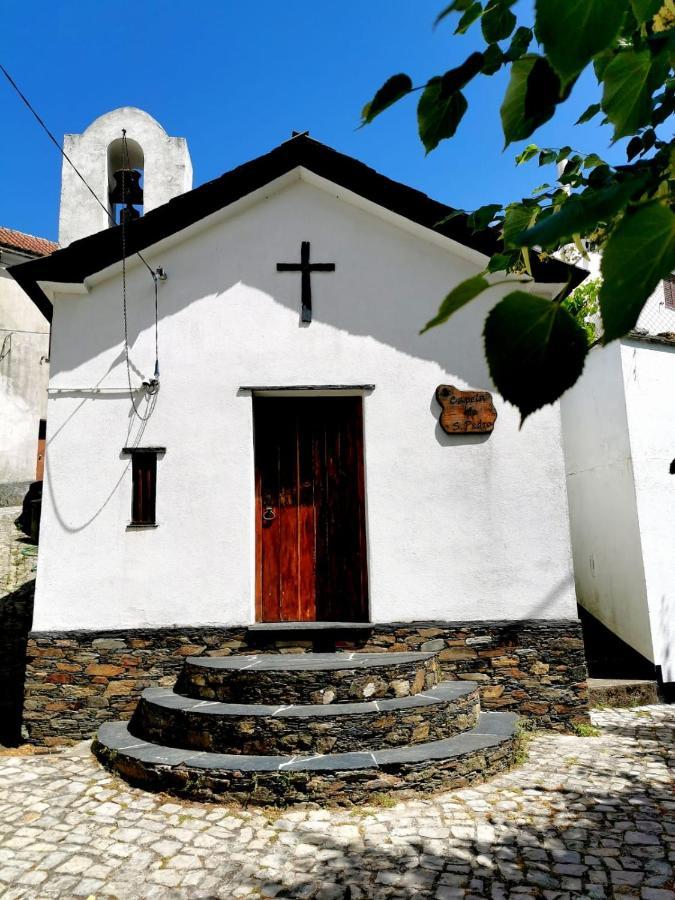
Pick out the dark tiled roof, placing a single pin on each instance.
(98, 251)
(26, 243)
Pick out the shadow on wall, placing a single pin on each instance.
(16, 617)
(134, 432)
(607, 655)
(532, 832)
(387, 283)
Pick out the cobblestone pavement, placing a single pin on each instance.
(582, 817)
(18, 557)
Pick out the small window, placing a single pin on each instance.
(144, 485)
(669, 291)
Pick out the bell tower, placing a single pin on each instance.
(155, 168)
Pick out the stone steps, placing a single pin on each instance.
(343, 778)
(308, 677)
(622, 692)
(308, 728)
(440, 711)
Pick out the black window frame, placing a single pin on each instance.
(143, 485)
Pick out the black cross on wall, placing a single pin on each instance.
(305, 267)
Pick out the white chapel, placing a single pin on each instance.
(250, 444)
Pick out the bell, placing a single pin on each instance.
(128, 214)
(127, 189)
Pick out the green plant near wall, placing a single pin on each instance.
(535, 346)
(583, 304)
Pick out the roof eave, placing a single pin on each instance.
(98, 251)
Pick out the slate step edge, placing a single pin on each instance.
(444, 691)
(308, 677)
(168, 718)
(114, 741)
(307, 661)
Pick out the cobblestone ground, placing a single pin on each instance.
(18, 557)
(582, 817)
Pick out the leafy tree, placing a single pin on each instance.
(583, 303)
(536, 347)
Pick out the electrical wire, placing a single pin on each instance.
(65, 156)
(153, 273)
(123, 223)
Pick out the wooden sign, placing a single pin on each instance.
(465, 412)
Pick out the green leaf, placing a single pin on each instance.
(634, 147)
(517, 219)
(535, 350)
(546, 157)
(644, 10)
(500, 262)
(493, 59)
(455, 79)
(527, 154)
(588, 114)
(392, 90)
(469, 17)
(600, 63)
(639, 253)
(593, 160)
(530, 99)
(497, 22)
(573, 31)
(626, 98)
(457, 298)
(481, 217)
(453, 215)
(455, 6)
(437, 115)
(520, 42)
(579, 214)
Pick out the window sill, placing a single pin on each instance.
(132, 527)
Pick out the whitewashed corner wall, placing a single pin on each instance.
(605, 530)
(648, 381)
(619, 433)
(458, 528)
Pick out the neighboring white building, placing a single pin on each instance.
(285, 469)
(619, 431)
(24, 370)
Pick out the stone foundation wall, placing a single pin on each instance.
(77, 680)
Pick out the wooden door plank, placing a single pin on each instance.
(288, 511)
(267, 453)
(306, 513)
(360, 607)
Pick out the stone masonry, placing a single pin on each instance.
(75, 681)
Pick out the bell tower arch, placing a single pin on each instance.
(158, 168)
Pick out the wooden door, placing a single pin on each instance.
(310, 531)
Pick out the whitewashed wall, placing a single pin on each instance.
(468, 527)
(648, 371)
(24, 373)
(606, 541)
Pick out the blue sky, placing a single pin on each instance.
(236, 78)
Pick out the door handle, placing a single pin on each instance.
(269, 514)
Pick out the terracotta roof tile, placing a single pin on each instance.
(17, 240)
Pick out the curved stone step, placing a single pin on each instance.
(307, 677)
(166, 717)
(342, 778)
